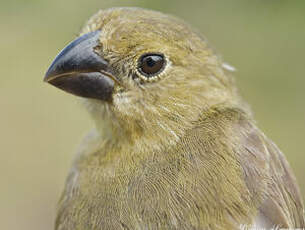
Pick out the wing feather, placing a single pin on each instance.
(281, 203)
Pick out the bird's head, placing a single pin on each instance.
(142, 74)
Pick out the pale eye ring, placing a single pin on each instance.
(151, 64)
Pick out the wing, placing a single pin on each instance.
(281, 204)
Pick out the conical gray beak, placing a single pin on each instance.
(79, 70)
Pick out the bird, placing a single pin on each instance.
(174, 144)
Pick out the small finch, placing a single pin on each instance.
(174, 147)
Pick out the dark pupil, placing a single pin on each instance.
(152, 64)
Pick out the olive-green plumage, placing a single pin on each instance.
(175, 150)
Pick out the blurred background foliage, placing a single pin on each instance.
(41, 126)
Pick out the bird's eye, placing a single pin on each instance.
(151, 64)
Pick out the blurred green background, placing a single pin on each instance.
(41, 126)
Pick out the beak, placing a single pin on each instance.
(80, 71)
